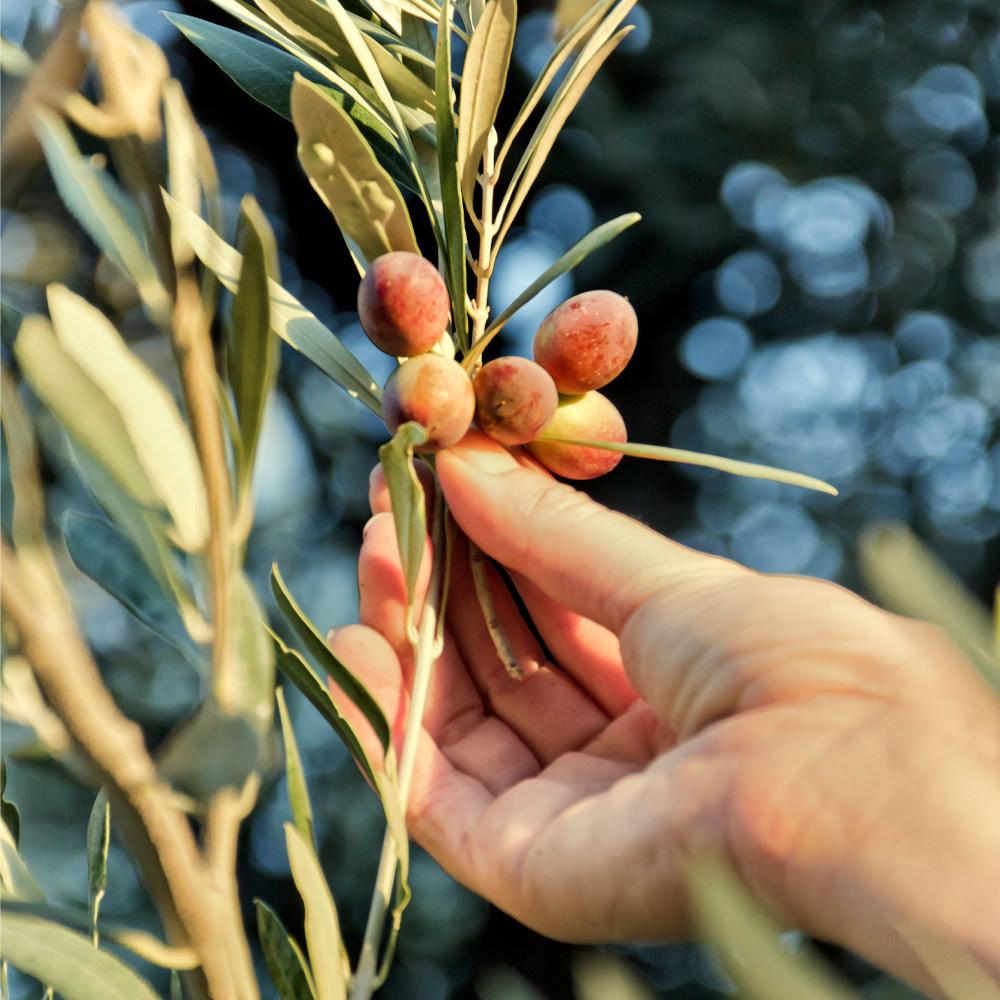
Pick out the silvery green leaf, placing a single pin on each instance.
(732, 466)
(327, 956)
(253, 665)
(298, 790)
(320, 653)
(111, 560)
(345, 173)
(295, 668)
(451, 197)
(484, 77)
(146, 410)
(85, 189)
(8, 811)
(408, 506)
(291, 320)
(285, 962)
(252, 353)
(98, 842)
(67, 961)
(15, 879)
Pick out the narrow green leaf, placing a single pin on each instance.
(266, 72)
(451, 197)
(746, 940)
(150, 417)
(85, 190)
(68, 962)
(595, 53)
(594, 240)
(176, 989)
(140, 943)
(104, 554)
(291, 320)
(98, 842)
(347, 176)
(8, 811)
(906, 577)
(285, 962)
(298, 790)
(323, 657)
(252, 356)
(388, 12)
(408, 507)
(325, 946)
(15, 879)
(253, 656)
(658, 453)
(211, 751)
(295, 668)
(484, 77)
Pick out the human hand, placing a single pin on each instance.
(844, 760)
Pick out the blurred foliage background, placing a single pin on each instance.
(817, 278)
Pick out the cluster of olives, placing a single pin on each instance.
(580, 346)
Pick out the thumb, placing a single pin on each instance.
(599, 563)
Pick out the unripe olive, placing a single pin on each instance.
(590, 417)
(403, 304)
(515, 399)
(436, 393)
(587, 341)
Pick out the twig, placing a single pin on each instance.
(478, 567)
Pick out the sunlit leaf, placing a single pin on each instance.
(84, 189)
(266, 72)
(451, 197)
(594, 240)
(484, 76)
(295, 777)
(291, 320)
(408, 507)
(347, 176)
(295, 668)
(327, 957)
(909, 579)
(15, 879)
(105, 555)
(149, 948)
(593, 56)
(252, 652)
(252, 356)
(597, 975)
(211, 751)
(569, 12)
(734, 467)
(746, 940)
(321, 654)
(98, 842)
(285, 962)
(67, 961)
(388, 12)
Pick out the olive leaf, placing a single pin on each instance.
(447, 153)
(484, 77)
(289, 318)
(252, 354)
(298, 790)
(345, 173)
(747, 942)
(15, 879)
(67, 961)
(594, 240)
(145, 409)
(321, 654)
(9, 814)
(594, 54)
(112, 561)
(658, 453)
(327, 955)
(286, 964)
(89, 194)
(407, 495)
(252, 656)
(295, 669)
(98, 843)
